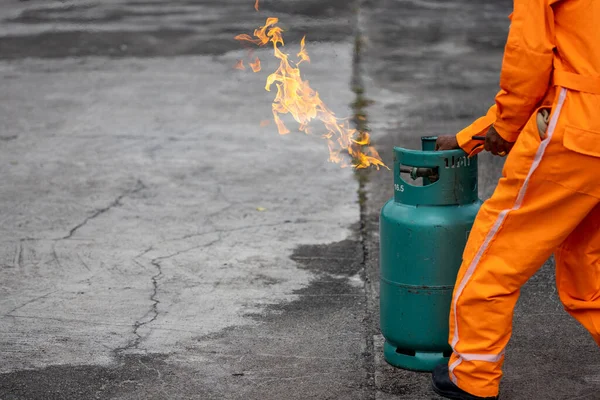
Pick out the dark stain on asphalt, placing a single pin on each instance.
(163, 42)
(134, 374)
(169, 29)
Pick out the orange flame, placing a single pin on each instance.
(247, 38)
(255, 65)
(256, 5)
(303, 54)
(295, 97)
(240, 65)
(260, 33)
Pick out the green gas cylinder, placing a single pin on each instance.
(423, 232)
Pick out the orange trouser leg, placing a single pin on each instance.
(578, 273)
(517, 229)
(506, 250)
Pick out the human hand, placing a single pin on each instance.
(495, 144)
(447, 142)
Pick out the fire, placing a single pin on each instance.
(294, 96)
(255, 65)
(303, 55)
(240, 65)
(256, 5)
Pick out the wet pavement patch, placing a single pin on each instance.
(340, 258)
(51, 14)
(134, 373)
(336, 287)
(185, 40)
(43, 16)
(162, 42)
(164, 29)
(311, 8)
(318, 341)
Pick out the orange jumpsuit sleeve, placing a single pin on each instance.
(477, 128)
(526, 66)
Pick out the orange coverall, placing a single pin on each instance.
(547, 200)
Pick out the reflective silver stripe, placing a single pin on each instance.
(492, 233)
(481, 357)
(451, 369)
(472, 357)
(471, 270)
(540, 153)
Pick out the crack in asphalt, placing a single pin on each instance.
(153, 313)
(117, 202)
(29, 302)
(362, 176)
(153, 308)
(19, 256)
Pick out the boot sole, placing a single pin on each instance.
(450, 395)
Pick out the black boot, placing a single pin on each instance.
(442, 385)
